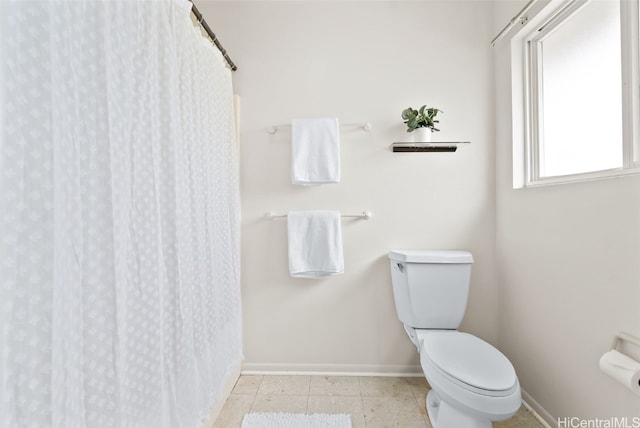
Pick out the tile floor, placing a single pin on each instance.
(372, 402)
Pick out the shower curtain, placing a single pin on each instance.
(119, 216)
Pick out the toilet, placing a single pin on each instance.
(472, 383)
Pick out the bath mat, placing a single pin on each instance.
(295, 420)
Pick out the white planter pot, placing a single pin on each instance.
(422, 135)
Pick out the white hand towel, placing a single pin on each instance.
(315, 243)
(315, 151)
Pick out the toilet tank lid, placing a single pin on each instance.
(431, 256)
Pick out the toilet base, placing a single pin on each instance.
(443, 415)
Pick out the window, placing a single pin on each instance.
(580, 71)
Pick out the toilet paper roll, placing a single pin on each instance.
(622, 368)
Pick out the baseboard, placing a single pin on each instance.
(331, 369)
(538, 411)
(226, 392)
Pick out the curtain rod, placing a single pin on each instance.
(211, 34)
(518, 18)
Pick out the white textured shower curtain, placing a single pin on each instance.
(119, 216)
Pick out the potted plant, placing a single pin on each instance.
(421, 122)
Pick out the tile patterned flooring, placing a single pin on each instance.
(372, 402)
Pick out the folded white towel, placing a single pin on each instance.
(315, 243)
(315, 151)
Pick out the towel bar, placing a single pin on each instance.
(366, 127)
(364, 215)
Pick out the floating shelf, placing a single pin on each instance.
(435, 146)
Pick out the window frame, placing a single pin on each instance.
(526, 47)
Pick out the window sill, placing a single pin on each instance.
(588, 176)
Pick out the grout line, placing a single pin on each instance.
(255, 394)
(308, 395)
(364, 411)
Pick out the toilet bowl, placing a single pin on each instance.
(472, 383)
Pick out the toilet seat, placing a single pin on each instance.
(467, 361)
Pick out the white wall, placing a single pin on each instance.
(360, 61)
(568, 260)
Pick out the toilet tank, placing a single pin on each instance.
(430, 287)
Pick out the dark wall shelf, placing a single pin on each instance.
(405, 147)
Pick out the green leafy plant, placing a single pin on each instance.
(422, 118)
